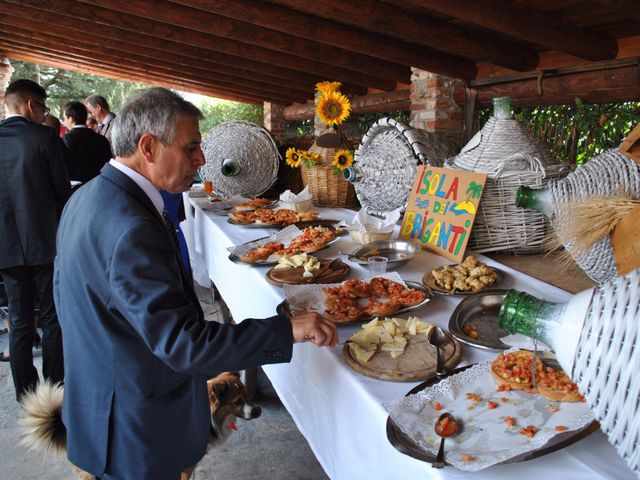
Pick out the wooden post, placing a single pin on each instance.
(6, 70)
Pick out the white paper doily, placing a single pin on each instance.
(484, 433)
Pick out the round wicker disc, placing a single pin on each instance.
(251, 147)
(386, 163)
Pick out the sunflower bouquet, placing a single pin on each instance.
(332, 107)
(296, 157)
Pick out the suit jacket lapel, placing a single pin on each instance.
(119, 178)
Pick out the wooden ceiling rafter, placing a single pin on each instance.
(254, 36)
(74, 30)
(27, 55)
(213, 74)
(190, 39)
(331, 33)
(529, 25)
(52, 43)
(419, 29)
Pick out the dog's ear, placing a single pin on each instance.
(221, 389)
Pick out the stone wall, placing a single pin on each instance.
(432, 104)
(6, 70)
(273, 120)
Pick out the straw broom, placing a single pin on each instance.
(579, 226)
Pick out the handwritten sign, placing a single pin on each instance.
(441, 209)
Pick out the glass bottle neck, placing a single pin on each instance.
(229, 168)
(502, 107)
(530, 316)
(351, 174)
(539, 200)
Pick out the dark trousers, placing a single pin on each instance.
(23, 285)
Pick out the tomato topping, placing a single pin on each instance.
(437, 406)
(561, 428)
(491, 405)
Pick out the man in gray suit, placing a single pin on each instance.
(98, 108)
(137, 348)
(33, 190)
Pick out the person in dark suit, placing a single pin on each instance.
(86, 151)
(137, 347)
(34, 187)
(98, 107)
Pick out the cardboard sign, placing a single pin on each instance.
(441, 209)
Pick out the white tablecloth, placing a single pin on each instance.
(339, 411)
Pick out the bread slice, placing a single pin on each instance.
(514, 368)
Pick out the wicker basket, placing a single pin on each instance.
(328, 189)
(499, 224)
(511, 157)
(387, 160)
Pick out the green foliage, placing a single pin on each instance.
(577, 132)
(63, 86)
(222, 111)
(355, 126)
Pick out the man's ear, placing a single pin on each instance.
(147, 145)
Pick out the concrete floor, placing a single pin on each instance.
(268, 447)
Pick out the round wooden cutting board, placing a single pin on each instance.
(293, 276)
(417, 362)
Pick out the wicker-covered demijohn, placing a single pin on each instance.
(252, 151)
(385, 163)
(511, 157)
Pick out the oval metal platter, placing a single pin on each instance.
(406, 445)
(284, 308)
(480, 312)
(398, 252)
(235, 259)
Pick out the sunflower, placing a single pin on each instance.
(326, 87)
(342, 159)
(333, 108)
(293, 158)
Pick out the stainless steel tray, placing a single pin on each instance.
(480, 309)
(398, 252)
(406, 445)
(308, 223)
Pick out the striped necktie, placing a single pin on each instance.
(171, 228)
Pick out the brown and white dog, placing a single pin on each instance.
(42, 429)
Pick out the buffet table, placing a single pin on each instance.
(339, 411)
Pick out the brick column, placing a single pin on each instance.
(273, 120)
(6, 70)
(432, 104)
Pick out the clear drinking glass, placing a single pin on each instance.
(377, 265)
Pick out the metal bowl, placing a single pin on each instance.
(397, 252)
(481, 310)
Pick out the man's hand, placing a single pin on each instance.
(311, 327)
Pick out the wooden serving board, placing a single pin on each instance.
(418, 361)
(293, 276)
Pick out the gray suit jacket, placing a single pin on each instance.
(107, 127)
(137, 349)
(34, 187)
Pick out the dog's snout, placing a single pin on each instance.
(256, 412)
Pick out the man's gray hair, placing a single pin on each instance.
(155, 111)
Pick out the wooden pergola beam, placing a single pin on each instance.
(251, 35)
(57, 44)
(389, 20)
(27, 55)
(95, 45)
(378, 102)
(146, 45)
(615, 84)
(124, 23)
(319, 30)
(528, 24)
